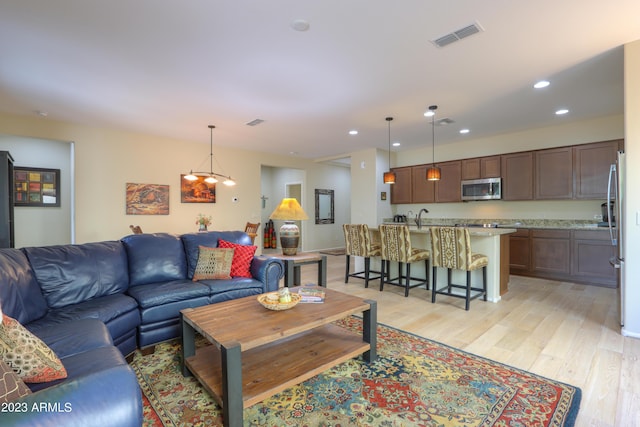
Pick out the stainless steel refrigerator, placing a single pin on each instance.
(615, 196)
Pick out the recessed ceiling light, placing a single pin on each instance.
(353, 132)
(396, 144)
(562, 111)
(541, 84)
(463, 131)
(300, 25)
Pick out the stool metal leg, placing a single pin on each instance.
(468, 298)
(346, 274)
(434, 285)
(367, 264)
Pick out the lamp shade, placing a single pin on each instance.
(289, 210)
(433, 173)
(389, 177)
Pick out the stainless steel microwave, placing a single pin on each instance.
(481, 189)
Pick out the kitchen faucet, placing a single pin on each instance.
(419, 218)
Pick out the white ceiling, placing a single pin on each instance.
(171, 68)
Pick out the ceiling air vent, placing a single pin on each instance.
(444, 122)
(255, 122)
(457, 35)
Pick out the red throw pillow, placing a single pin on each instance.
(242, 256)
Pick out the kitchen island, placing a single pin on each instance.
(492, 242)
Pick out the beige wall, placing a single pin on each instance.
(107, 159)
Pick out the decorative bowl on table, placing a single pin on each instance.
(267, 301)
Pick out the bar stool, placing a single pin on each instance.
(451, 249)
(358, 243)
(396, 246)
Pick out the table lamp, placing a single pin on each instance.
(289, 211)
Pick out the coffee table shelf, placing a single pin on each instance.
(274, 367)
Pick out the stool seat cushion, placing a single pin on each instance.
(375, 250)
(478, 261)
(418, 254)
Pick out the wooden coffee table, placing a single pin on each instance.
(256, 352)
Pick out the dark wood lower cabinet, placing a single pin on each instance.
(580, 256)
(591, 251)
(551, 252)
(520, 252)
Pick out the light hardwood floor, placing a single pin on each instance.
(560, 330)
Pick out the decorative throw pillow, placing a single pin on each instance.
(213, 263)
(27, 355)
(11, 386)
(242, 257)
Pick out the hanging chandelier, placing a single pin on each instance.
(433, 172)
(211, 176)
(390, 176)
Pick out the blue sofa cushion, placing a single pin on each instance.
(20, 294)
(167, 292)
(155, 258)
(220, 286)
(69, 274)
(192, 241)
(76, 336)
(109, 310)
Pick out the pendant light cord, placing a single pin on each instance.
(211, 127)
(388, 119)
(433, 140)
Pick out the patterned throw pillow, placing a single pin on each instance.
(27, 355)
(242, 258)
(213, 263)
(11, 386)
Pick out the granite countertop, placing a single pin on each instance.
(562, 224)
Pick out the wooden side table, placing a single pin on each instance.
(292, 264)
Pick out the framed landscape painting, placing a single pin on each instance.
(147, 199)
(197, 191)
(36, 187)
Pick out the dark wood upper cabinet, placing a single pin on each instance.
(554, 174)
(517, 176)
(490, 167)
(471, 168)
(591, 168)
(564, 173)
(448, 188)
(422, 191)
(401, 190)
(481, 167)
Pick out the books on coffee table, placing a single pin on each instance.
(311, 294)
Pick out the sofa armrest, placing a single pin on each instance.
(107, 398)
(268, 270)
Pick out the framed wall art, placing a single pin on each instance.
(197, 191)
(36, 187)
(147, 199)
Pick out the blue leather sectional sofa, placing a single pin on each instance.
(95, 303)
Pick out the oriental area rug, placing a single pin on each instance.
(414, 382)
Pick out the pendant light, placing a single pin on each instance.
(433, 173)
(211, 176)
(389, 177)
